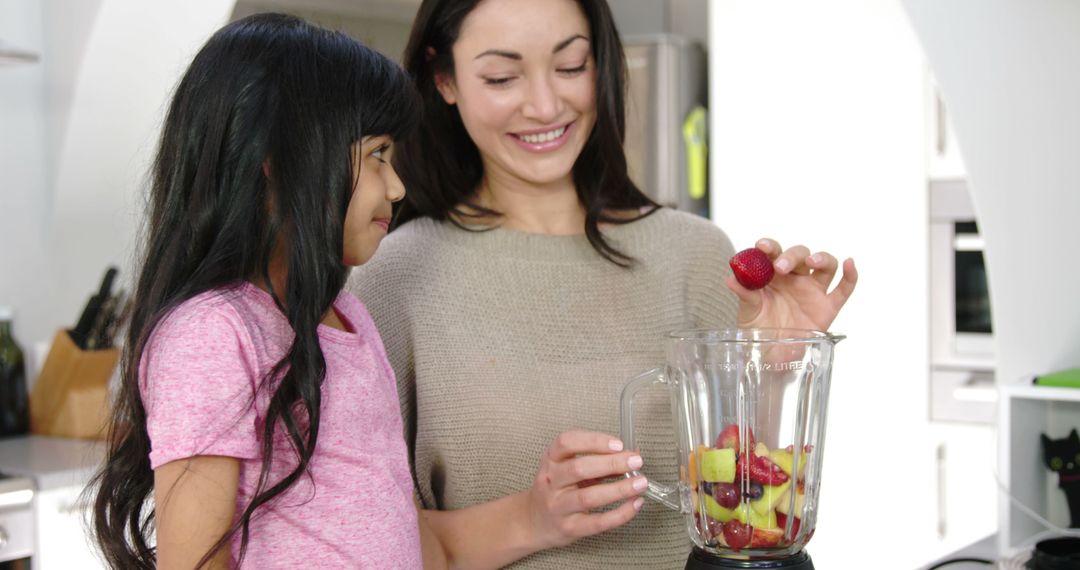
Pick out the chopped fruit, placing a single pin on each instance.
(747, 496)
(714, 510)
(737, 534)
(784, 504)
(693, 461)
(765, 538)
(763, 470)
(726, 494)
(760, 521)
(718, 466)
(752, 267)
(785, 460)
(770, 498)
(781, 521)
(729, 437)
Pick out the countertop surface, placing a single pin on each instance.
(985, 549)
(52, 462)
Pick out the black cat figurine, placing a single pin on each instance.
(1063, 457)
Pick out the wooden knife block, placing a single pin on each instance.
(70, 397)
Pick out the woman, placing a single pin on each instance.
(528, 279)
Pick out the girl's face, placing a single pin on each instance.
(525, 85)
(375, 187)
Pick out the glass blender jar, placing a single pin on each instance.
(749, 407)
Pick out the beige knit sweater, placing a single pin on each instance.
(502, 339)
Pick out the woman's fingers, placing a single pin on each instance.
(587, 467)
(573, 443)
(846, 286)
(793, 261)
(601, 495)
(583, 525)
(824, 268)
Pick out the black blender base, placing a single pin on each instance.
(701, 560)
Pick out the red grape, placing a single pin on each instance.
(726, 494)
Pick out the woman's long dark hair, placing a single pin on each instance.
(441, 165)
(269, 89)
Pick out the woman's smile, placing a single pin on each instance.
(543, 140)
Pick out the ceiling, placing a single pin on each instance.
(398, 10)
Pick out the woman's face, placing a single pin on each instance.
(525, 85)
(375, 187)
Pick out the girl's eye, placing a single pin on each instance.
(573, 70)
(497, 81)
(378, 153)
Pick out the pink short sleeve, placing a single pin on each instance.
(197, 379)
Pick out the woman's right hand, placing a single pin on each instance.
(566, 490)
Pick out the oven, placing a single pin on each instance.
(962, 360)
(16, 522)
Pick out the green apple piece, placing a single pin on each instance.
(718, 465)
(715, 511)
(744, 514)
(758, 520)
(785, 460)
(761, 450)
(770, 498)
(739, 513)
(784, 503)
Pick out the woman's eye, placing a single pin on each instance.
(573, 70)
(497, 80)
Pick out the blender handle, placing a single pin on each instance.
(662, 494)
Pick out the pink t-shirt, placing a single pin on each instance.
(200, 380)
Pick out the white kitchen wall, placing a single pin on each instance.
(1008, 74)
(77, 132)
(817, 134)
(24, 197)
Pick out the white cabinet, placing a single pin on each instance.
(61, 525)
(1025, 412)
(964, 464)
(944, 161)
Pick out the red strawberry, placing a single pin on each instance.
(736, 534)
(781, 522)
(753, 269)
(729, 437)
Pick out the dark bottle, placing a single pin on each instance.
(14, 404)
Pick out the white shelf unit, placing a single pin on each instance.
(1025, 411)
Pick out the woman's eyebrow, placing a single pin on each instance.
(562, 45)
(517, 56)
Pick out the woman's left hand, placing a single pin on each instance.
(798, 296)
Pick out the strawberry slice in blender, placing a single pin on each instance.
(762, 470)
(737, 534)
(729, 438)
(781, 522)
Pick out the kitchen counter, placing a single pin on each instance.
(52, 462)
(985, 549)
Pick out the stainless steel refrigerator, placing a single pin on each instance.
(666, 142)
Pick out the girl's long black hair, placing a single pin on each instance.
(441, 165)
(267, 90)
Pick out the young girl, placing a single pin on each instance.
(257, 424)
